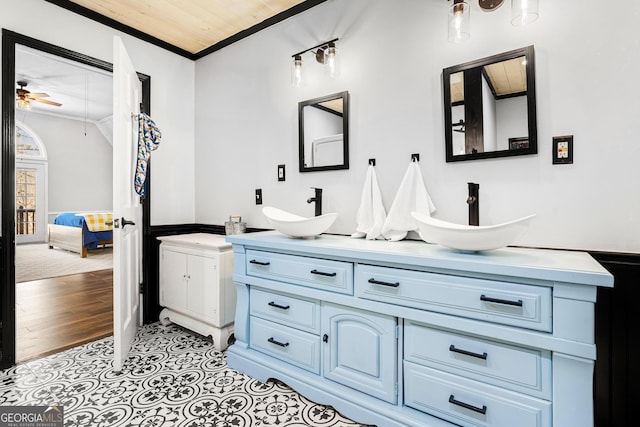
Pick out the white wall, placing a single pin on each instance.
(392, 54)
(489, 118)
(80, 172)
(172, 94)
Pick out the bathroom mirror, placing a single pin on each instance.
(490, 107)
(323, 127)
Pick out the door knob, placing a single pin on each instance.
(126, 222)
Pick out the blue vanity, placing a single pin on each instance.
(412, 334)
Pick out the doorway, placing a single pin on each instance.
(7, 237)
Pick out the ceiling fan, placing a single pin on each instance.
(24, 97)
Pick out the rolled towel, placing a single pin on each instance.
(371, 213)
(412, 195)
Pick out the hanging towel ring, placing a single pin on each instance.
(148, 140)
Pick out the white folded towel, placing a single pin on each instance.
(412, 195)
(371, 213)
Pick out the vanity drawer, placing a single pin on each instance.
(471, 403)
(515, 368)
(287, 344)
(288, 310)
(336, 276)
(513, 304)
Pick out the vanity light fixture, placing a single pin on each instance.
(325, 53)
(296, 71)
(459, 13)
(523, 12)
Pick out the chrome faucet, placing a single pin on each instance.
(473, 202)
(318, 200)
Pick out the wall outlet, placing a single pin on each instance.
(258, 196)
(562, 150)
(280, 172)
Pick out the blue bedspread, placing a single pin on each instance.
(90, 239)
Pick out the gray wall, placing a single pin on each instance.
(172, 94)
(392, 54)
(80, 167)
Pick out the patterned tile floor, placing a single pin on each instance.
(173, 378)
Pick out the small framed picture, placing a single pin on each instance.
(562, 150)
(518, 143)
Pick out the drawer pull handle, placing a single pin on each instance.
(501, 301)
(281, 344)
(322, 273)
(482, 356)
(482, 410)
(378, 282)
(253, 261)
(281, 307)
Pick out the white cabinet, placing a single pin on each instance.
(196, 287)
(411, 334)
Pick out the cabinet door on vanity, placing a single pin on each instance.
(173, 279)
(190, 284)
(203, 289)
(360, 350)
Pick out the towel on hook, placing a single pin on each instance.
(371, 213)
(412, 195)
(148, 140)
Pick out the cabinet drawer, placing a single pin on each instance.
(470, 403)
(513, 304)
(515, 368)
(336, 276)
(292, 311)
(287, 344)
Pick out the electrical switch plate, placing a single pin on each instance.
(258, 196)
(280, 172)
(562, 150)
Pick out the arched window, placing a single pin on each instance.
(31, 186)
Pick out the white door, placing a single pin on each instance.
(127, 248)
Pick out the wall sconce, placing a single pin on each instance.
(325, 53)
(523, 12)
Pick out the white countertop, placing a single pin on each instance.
(544, 264)
(216, 241)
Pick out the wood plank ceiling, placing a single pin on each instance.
(192, 28)
(506, 78)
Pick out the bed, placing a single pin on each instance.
(81, 232)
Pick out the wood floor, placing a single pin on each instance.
(62, 312)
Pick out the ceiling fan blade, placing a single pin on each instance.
(38, 95)
(46, 101)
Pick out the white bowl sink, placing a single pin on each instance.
(298, 226)
(470, 237)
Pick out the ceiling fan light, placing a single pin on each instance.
(23, 104)
(523, 12)
(459, 13)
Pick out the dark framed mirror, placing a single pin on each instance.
(323, 129)
(490, 107)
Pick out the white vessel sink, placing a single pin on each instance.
(469, 237)
(298, 226)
